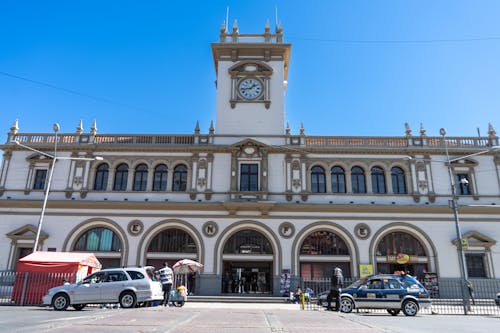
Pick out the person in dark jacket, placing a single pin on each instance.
(336, 285)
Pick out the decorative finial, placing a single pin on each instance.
(279, 28)
(93, 129)
(302, 130)
(267, 28)
(79, 128)
(223, 27)
(15, 127)
(211, 130)
(422, 129)
(491, 130)
(287, 130)
(407, 129)
(235, 27)
(279, 33)
(197, 128)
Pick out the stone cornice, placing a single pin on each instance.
(232, 207)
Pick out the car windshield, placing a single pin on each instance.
(356, 284)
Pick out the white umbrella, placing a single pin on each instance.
(186, 266)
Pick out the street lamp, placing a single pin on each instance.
(54, 157)
(454, 206)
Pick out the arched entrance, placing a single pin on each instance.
(402, 251)
(170, 245)
(320, 252)
(247, 263)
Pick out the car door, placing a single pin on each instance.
(370, 295)
(89, 290)
(393, 292)
(114, 283)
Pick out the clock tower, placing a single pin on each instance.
(251, 73)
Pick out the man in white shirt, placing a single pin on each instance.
(166, 275)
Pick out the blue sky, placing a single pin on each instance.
(357, 67)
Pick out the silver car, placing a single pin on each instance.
(130, 286)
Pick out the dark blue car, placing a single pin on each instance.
(392, 292)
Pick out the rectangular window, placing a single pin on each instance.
(40, 177)
(249, 177)
(462, 183)
(475, 265)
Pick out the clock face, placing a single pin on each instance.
(250, 88)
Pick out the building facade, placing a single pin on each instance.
(251, 200)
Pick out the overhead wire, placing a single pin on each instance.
(74, 92)
(416, 41)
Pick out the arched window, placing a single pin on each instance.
(358, 180)
(318, 184)
(160, 178)
(173, 240)
(248, 242)
(338, 179)
(141, 177)
(324, 243)
(98, 239)
(400, 242)
(378, 180)
(121, 175)
(180, 178)
(398, 180)
(101, 177)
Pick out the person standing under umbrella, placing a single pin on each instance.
(166, 275)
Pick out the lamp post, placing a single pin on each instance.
(454, 206)
(54, 157)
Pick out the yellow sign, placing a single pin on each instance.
(365, 270)
(402, 258)
(465, 243)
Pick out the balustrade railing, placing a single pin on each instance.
(294, 140)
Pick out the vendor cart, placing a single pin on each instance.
(178, 296)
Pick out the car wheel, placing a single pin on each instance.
(78, 307)
(128, 300)
(60, 302)
(178, 303)
(346, 305)
(410, 308)
(393, 312)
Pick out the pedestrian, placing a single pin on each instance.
(166, 278)
(471, 291)
(336, 285)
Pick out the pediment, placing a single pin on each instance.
(251, 68)
(249, 142)
(27, 231)
(36, 157)
(477, 239)
(249, 148)
(464, 163)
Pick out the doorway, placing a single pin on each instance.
(247, 277)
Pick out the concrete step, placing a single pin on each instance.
(238, 299)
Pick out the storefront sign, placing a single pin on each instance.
(365, 270)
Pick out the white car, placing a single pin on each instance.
(128, 286)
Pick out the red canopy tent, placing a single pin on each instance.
(40, 271)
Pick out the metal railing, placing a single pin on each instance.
(28, 288)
